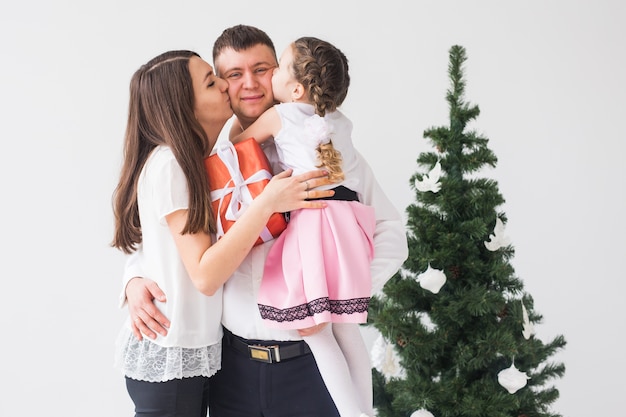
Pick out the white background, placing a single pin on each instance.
(548, 77)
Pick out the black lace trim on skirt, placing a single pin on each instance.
(355, 305)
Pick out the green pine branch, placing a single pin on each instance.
(453, 344)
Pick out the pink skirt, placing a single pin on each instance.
(318, 270)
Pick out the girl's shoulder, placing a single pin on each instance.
(295, 109)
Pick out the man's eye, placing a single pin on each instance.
(234, 75)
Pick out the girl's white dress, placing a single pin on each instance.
(318, 270)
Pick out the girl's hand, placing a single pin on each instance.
(285, 192)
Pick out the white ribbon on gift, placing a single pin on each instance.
(241, 197)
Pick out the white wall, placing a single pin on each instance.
(548, 77)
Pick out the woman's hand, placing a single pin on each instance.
(144, 316)
(286, 192)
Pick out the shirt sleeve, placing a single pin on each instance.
(390, 243)
(168, 186)
(132, 269)
(164, 187)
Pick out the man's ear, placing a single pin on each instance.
(298, 92)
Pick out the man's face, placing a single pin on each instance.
(249, 76)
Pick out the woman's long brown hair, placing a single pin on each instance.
(161, 112)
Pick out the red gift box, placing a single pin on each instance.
(237, 174)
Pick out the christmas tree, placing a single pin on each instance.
(457, 328)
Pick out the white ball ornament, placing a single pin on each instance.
(432, 279)
(512, 379)
(422, 413)
(385, 359)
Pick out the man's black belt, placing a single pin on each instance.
(263, 351)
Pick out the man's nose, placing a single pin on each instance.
(249, 80)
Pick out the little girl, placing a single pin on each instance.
(318, 270)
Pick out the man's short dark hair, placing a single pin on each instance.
(240, 38)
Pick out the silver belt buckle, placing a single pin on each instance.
(264, 353)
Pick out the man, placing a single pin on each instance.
(265, 372)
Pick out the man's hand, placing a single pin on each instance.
(145, 317)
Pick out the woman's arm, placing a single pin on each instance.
(286, 193)
(209, 266)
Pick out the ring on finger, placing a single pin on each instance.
(307, 194)
(307, 186)
(137, 320)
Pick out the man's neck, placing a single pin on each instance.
(236, 128)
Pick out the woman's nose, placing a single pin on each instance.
(224, 85)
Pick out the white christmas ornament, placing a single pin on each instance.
(529, 329)
(432, 279)
(497, 240)
(512, 379)
(430, 181)
(386, 360)
(422, 413)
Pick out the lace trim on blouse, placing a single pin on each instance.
(144, 360)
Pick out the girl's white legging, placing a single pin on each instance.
(344, 362)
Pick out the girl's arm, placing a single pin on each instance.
(210, 266)
(265, 127)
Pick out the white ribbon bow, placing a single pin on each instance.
(238, 187)
(317, 130)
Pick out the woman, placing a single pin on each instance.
(162, 210)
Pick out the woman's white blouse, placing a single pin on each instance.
(192, 345)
